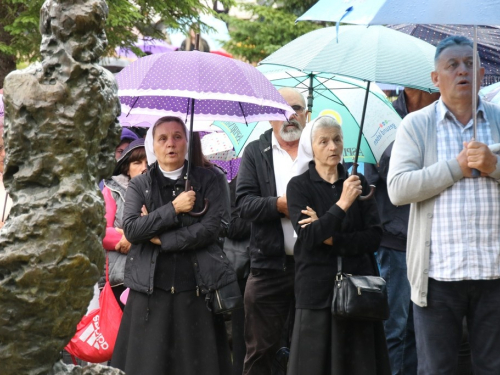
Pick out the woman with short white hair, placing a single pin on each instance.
(331, 222)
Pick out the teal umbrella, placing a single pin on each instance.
(340, 97)
(374, 54)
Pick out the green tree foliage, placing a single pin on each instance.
(19, 19)
(269, 28)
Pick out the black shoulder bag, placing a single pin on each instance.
(359, 297)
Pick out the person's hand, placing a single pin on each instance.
(1, 224)
(156, 241)
(123, 246)
(463, 163)
(312, 217)
(282, 206)
(144, 211)
(352, 189)
(480, 157)
(184, 201)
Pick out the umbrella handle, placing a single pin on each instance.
(205, 208)
(372, 187)
(202, 212)
(370, 194)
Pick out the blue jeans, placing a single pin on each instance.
(398, 328)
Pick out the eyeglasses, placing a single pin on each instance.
(298, 109)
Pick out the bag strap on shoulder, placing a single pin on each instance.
(107, 267)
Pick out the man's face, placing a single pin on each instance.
(290, 130)
(453, 74)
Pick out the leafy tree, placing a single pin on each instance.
(269, 28)
(19, 20)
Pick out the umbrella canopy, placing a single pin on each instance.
(491, 93)
(223, 88)
(488, 42)
(342, 98)
(148, 46)
(217, 146)
(381, 12)
(375, 54)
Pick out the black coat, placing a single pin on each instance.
(394, 218)
(356, 236)
(256, 199)
(178, 233)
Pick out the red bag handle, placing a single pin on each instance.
(107, 267)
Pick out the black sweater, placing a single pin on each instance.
(356, 236)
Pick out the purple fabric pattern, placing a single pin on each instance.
(224, 89)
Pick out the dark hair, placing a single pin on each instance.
(123, 141)
(454, 40)
(137, 154)
(197, 157)
(164, 119)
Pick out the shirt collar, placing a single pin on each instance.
(444, 113)
(167, 182)
(274, 141)
(314, 175)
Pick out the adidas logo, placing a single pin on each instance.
(93, 336)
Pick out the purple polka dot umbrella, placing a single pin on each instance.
(223, 89)
(202, 85)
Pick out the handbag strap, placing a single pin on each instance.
(339, 264)
(107, 267)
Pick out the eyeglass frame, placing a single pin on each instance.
(298, 109)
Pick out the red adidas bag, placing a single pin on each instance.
(96, 333)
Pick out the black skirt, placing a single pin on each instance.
(172, 334)
(324, 345)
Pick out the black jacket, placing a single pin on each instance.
(356, 236)
(256, 199)
(178, 233)
(394, 218)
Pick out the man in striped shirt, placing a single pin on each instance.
(453, 251)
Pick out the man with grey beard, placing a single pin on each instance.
(265, 170)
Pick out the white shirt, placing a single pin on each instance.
(173, 175)
(283, 172)
(465, 234)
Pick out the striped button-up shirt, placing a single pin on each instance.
(465, 236)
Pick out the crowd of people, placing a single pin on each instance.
(278, 230)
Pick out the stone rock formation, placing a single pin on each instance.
(60, 132)
(62, 369)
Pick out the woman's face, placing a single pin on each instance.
(2, 155)
(137, 167)
(328, 146)
(170, 145)
(119, 150)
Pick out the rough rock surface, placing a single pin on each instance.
(61, 128)
(62, 369)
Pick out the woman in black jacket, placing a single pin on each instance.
(330, 221)
(174, 263)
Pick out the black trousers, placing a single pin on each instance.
(438, 327)
(269, 305)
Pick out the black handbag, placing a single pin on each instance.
(359, 297)
(225, 299)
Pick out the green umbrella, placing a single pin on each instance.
(374, 54)
(340, 97)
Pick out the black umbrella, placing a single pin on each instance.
(488, 42)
